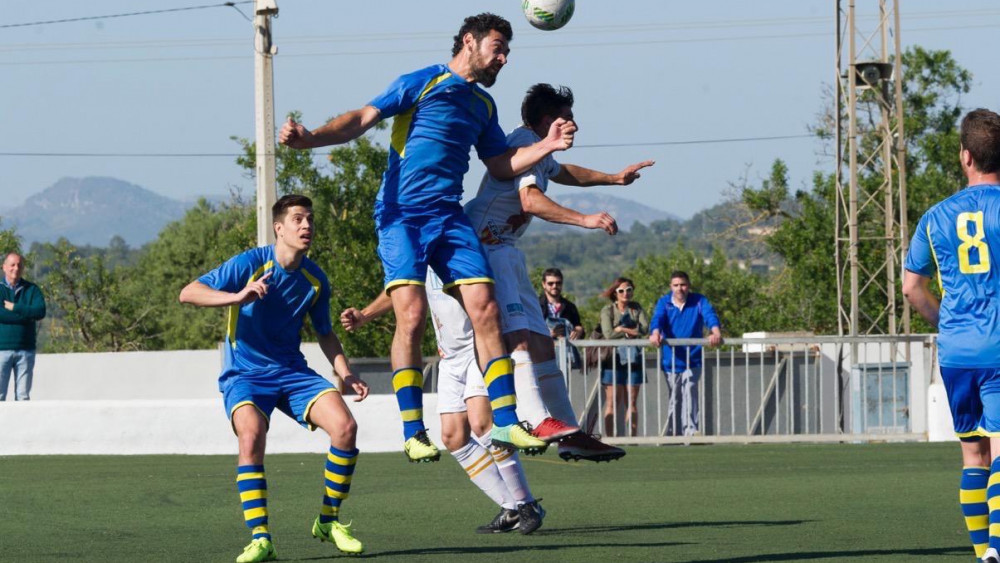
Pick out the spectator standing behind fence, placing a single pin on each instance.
(23, 306)
(623, 319)
(682, 314)
(956, 243)
(556, 309)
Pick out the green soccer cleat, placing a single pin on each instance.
(517, 437)
(260, 549)
(419, 448)
(339, 534)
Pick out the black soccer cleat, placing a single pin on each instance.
(505, 521)
(530, 516)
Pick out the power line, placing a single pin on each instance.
(127, 14)
(416, 35)
(323, 153)
(813, 36)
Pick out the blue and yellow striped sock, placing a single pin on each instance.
(499, 378)
(337, 477)
(972, 496)
(993, 500)
(253, 494)
(408, 384)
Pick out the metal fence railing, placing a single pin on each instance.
(803, 388)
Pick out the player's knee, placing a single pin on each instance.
(410, 321)
(252, 440)
(484, 313)
(452, 439)
(344, 432)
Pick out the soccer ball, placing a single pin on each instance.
(548, 14)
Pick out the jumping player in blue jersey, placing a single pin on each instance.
(959, 240)
(439, 113)
(269, 292)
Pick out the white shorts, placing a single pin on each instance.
(459, 378)
(519, 309)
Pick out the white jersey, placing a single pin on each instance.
(496, 212)
(451, 325)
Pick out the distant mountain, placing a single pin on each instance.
(92, 211)
(625, 211)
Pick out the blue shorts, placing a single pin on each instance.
(621, 376)
(410, 239)
(974, 398)
(292, 392)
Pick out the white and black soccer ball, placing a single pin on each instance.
(548, 14)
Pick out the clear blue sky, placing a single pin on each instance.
(652, 71)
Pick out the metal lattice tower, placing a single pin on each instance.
(871, 229)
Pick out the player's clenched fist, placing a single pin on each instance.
(561, 134)
(352, 319)
(294, 134)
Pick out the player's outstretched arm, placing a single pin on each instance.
(334, 352)
(535, 202)
(197, 293)
(352, 319)
(341, 129)
(517, 161)
(573, 175)
(916, 289)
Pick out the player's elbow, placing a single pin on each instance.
(187, 294)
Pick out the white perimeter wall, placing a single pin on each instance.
(165, 403)
(169, 403)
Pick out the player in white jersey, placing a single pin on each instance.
(500, 213)
(466, 416)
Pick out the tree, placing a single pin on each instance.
(92, 307)
(804, 236)
(9, 240)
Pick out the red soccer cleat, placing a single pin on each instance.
(584, 446)
(552, 430)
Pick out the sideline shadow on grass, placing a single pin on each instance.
(666, 526)
(501, 549)
(814, 555)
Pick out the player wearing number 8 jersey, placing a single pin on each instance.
(957, 239)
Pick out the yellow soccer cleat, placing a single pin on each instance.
(339, 534)
(260, 549)
(517, 437)
(419, 448)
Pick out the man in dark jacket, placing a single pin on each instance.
(23, 306)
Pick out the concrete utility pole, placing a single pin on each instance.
(264, 51)
(871, 193)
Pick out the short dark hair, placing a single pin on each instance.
(280, 207)
(980, 135)
(480, 26)
(544, 100)
(553, 272)
(680, 274)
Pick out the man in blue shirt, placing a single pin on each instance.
(956, 239)
(439, 113)
(269, 291)
(682, 314)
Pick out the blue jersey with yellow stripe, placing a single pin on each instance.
(960, 239)
(264, 336)
(438, 116)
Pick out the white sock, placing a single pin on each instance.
(552, 389)
(508, 464)
(530, 406)
(484, 473)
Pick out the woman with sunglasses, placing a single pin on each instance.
(623, 319)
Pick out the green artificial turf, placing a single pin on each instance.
(875, 502)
